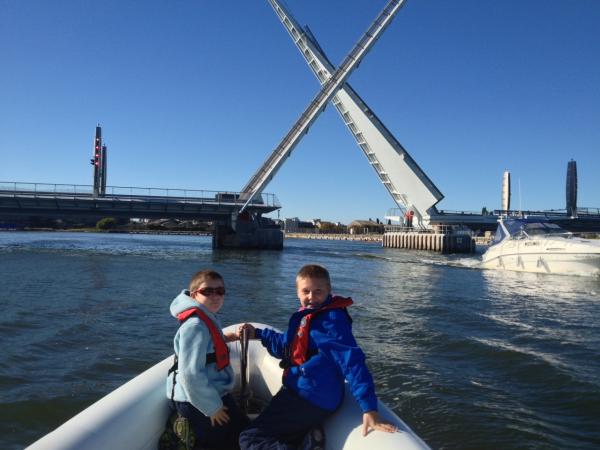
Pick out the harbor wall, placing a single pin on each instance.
(435, 242)
(373, 237)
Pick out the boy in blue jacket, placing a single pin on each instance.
(318, 352)
(200, 382)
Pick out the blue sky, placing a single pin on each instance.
(196, 94)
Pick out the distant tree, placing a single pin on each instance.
(108, 223)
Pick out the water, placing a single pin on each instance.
(470, 359)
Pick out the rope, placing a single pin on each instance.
(244, 337)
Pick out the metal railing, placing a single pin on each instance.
(132, 192)
(581, 212)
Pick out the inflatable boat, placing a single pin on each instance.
(134, 415)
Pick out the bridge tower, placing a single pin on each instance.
(99, 163)
(103, 160)
(572, 188)
(505, 203)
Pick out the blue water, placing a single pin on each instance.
(470, 359)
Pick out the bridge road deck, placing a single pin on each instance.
(57, 200)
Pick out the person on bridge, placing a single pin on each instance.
(408, 218)
(201, 380)
(318, 352)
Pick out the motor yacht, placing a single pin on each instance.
(536, 245)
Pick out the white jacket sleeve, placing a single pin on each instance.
(194, 341)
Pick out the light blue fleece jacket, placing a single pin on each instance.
(198, 383)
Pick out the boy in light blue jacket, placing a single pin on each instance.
(201, 380)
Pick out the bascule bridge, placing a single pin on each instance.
(239, 215)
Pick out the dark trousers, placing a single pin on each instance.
(218, 436)
(283, 424)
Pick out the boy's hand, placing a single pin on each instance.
(220, 417)
(372, 420)
(249, 328)
(230, 337)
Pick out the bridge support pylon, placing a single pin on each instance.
(246, 231)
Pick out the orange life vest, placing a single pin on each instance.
(299, 349)
(221, 350)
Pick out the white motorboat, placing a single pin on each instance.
(134, 415)
(536, 245)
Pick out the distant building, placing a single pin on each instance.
(295, 225)
(365, 227)
(325, 227)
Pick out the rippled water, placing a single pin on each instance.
(470, 359)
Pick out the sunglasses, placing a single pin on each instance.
(208, 291)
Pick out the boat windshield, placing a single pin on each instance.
(533, 229)
(520, 228)
(499, 236)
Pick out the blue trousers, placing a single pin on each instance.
(283, 424)
(218, 436)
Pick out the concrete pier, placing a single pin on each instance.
(249, 233)
(436, 242)
(371, 237)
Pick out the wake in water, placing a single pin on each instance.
(475, 262)
(453, 261)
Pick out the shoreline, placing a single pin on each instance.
(93, 230)
(331, 237)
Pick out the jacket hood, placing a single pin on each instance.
(183, 301)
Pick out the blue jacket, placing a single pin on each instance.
(196, 382)
(320, 380)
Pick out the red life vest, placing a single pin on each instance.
(299, 348)
(221, 350)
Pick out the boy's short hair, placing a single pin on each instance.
(314, 271)
(203, 276)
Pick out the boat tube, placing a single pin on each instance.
(134, 415)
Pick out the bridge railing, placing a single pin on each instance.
(132, 192)
(45, 188)
(581, 212)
